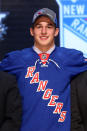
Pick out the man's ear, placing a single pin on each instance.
(31, 32)
(56, 32)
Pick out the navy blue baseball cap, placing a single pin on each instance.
(45, 12)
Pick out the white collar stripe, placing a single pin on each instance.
(48, 52)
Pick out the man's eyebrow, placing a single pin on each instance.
(37, 24)
(51, 24)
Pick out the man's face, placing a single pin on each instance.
(44, 32)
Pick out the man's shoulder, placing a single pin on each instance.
(19, 55)
(66, 50)
(21, 52)
(67, 54)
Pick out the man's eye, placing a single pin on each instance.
(38, 26)
(49, 26)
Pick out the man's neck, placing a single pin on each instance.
(44, 48)
(44, 51)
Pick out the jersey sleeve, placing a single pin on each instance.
(74, 61)
(12, 62)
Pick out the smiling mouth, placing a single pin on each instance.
(43, 37)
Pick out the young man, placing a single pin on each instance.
(44, 73)
(10, 103)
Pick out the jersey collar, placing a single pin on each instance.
(39, 52)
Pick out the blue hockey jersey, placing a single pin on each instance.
(45, 88)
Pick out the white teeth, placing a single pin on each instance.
(43, 37)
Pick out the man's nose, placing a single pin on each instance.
(44, 30)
